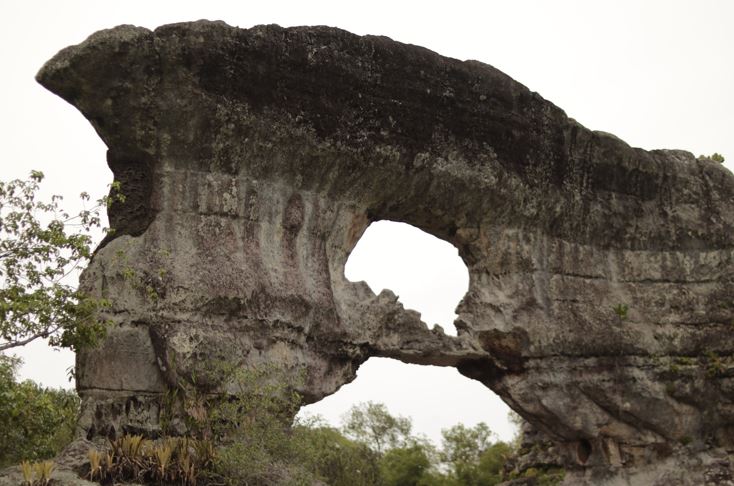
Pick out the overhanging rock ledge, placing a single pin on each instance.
(253, 160)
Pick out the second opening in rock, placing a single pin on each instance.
(426, 273)
(429, 276)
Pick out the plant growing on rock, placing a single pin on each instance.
(714, 364)
(43, 471)
(621, 310)
(95, 464)
(36, 474)
(169, 460)
(26, 471)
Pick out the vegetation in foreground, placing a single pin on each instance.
(248, 440)
(35, 422)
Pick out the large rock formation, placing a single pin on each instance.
(600, 303)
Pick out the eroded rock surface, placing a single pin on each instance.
(253, 160)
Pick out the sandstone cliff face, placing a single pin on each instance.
(254, 159)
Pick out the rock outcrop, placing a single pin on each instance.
(600, 304)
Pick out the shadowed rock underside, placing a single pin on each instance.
(254, 159)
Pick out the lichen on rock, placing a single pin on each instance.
(254, 159)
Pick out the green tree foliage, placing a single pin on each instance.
(462, 444)
(516, 420)
(35, 422)
(333, 458)
(40, 246)
(249, 440)
(406, 466)
(492, 461)
(468, 457)
(717, 157)
(471, 456)
(373, 424)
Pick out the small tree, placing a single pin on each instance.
(462, 444)
(405, 466)
(373, 424)
(471, 456)
(333, 458)
(492, 461)
(40, 247)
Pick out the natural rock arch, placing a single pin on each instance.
(254, 158)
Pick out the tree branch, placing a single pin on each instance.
(23, 342)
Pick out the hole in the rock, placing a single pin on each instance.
(583, 451)
(426, 273)
(429, 276)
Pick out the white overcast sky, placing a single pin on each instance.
(658, 74)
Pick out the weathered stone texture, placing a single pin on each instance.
(254, 159)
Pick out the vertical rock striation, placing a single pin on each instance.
(254, 159)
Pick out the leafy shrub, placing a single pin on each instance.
(40, 245)
(405, 466)
(35, 422)
(373, 424)
(333, 458)
(545, 477)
